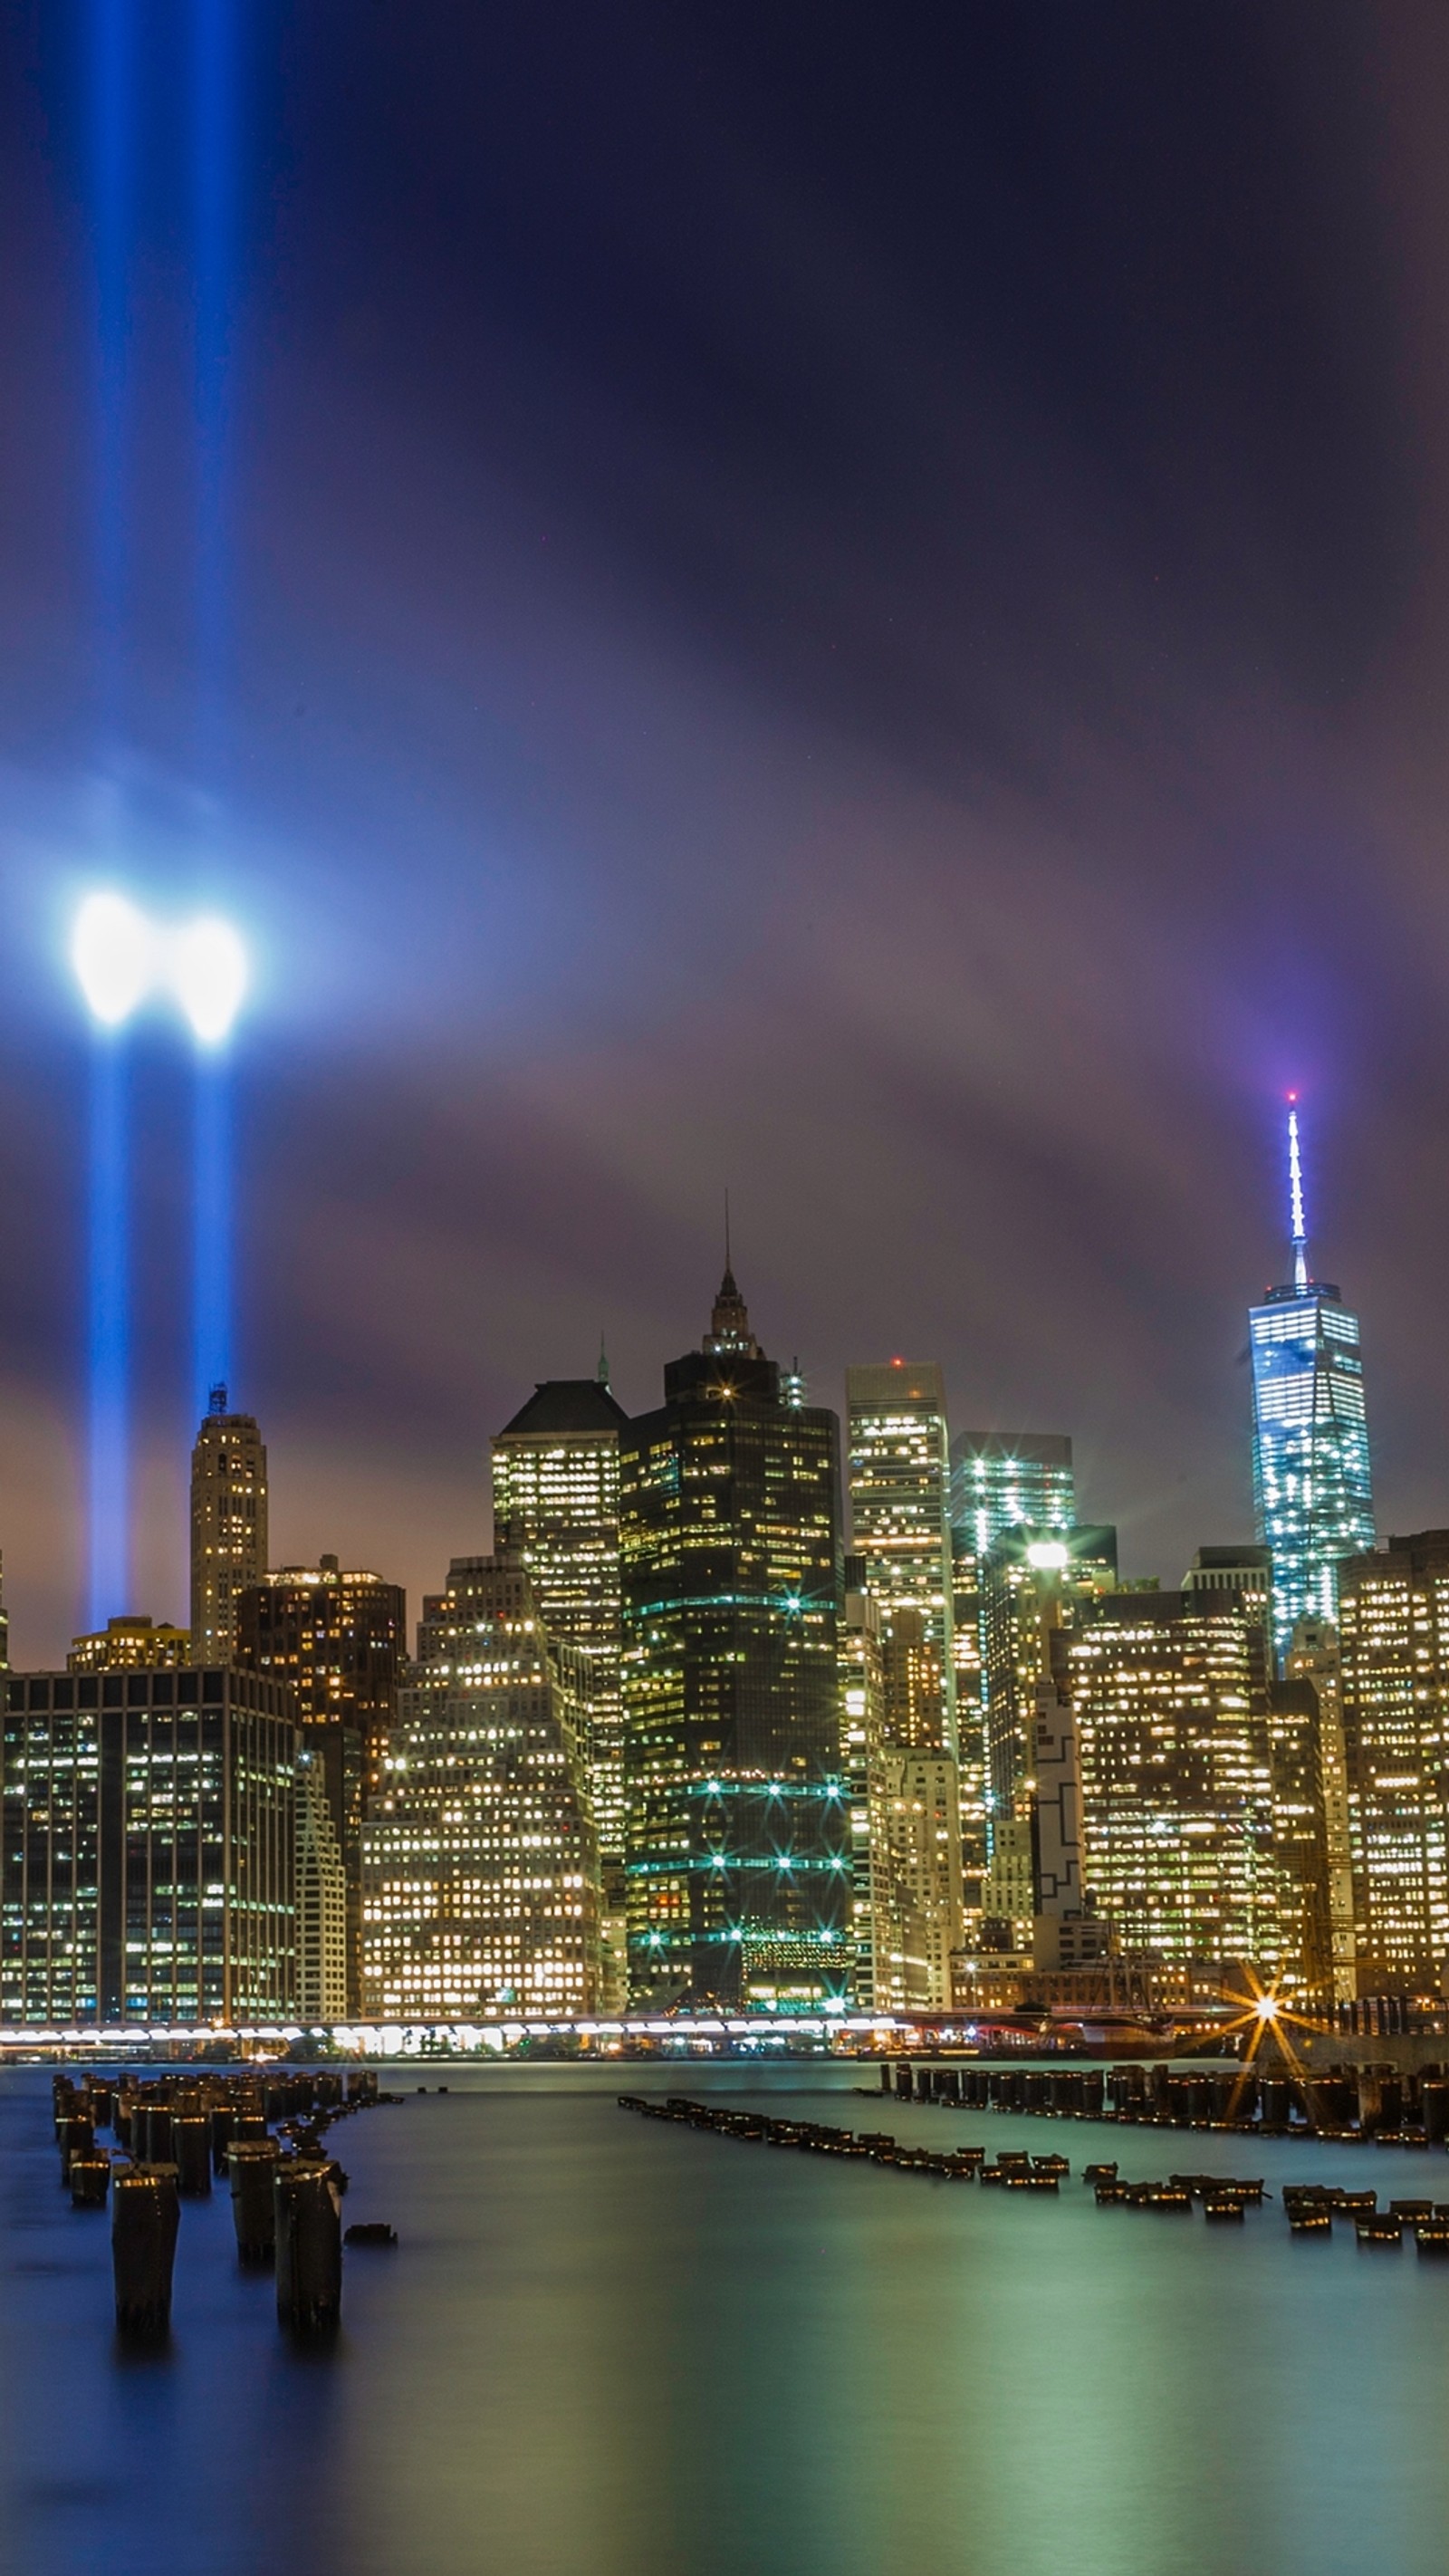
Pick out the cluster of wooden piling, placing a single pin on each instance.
(1344, 2103)
(1223, 2198)
(265, 2134)
(1312, 2208)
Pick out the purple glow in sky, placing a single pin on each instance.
(844, 606)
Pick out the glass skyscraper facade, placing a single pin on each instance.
(1000, 1479)
(147, 1861)
(738, 1831)
(1312, 1489)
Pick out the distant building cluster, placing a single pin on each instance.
(744, 1710)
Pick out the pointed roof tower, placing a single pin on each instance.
(729, 1324)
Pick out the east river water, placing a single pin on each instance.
(606, 2347)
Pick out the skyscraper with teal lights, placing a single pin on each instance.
(738, 1826)
(1312, 1489)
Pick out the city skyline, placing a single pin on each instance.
(1141, 1561)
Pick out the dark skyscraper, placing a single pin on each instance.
(738, 1835)
(336, 1636)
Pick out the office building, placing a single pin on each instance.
(228, 1525)
(1032, 1583)
(130, 1644)
(1313, 1657)
(324, 1991)
(1312, 1489)
(915, 1833)
(1245, 1573)
(480, 1876)
(336, 1636)
(900, 1512)
(1300, 1844)
(971, 1766)
(1002, 1479)
(738, 1866)
(862, 1734)
(1393, 1641)
(556, 1496)
(147, 1871)
(1170, 1691)
(1008, 1891)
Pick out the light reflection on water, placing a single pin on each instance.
(612, 2349)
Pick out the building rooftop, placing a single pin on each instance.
(559, 1406)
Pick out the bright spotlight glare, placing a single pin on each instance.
(111, 951)
(209, 977)
(1265, 2008)
(1048, 1555)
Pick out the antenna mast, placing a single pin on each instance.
(1298, 1233)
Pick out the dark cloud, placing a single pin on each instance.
(845, 604)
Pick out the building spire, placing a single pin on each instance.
(729, 1325)
(1298, 1233)
(602, 1371)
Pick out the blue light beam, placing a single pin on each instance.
(211, 1217)
(214, 152)
(112, 159)
(109, 1337)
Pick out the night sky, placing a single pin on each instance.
(841, 603)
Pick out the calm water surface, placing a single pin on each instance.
(605, 2348)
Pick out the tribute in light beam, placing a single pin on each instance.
(208, 974)
(113, 953)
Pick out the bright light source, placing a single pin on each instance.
(208, 976)
(113, 953)
(1265, 2008)
(1048, 1555)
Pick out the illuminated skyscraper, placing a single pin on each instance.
(228, 1525)
(130, 1643)
(900, 1512)
(147, 1869)
(336, 1636)
(324, 1991)
(1393, 1640)
(1033, 1582)
(738, 1826)
(1311, 1483)
(1171, 1694)
(481, 1882)
(1313, 1657)
(1000, 1479)
(862, 1732)
(556, 1495)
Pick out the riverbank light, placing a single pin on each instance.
(113, 953)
